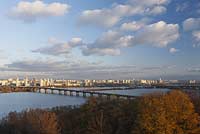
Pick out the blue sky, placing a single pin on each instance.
(117, 39)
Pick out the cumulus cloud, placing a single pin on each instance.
(132, 26)
(108, 17)
(59, 47)
(158, 34)
(173, 50)
(191, 24)
(112, 39)
(31, 11)
(108, 44)
(99, 17)
(196, 36)
(157, 10)
(149, 2)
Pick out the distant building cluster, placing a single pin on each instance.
(62, 83)
(86, 83)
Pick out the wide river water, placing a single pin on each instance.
(21, 101)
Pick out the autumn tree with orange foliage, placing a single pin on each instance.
(31, 122)
(171, 113)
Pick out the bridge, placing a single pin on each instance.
(86, 92)
(82, 93)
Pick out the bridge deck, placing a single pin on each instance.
(89, 92)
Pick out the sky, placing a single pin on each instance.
(111, 39)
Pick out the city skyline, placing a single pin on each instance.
(112, 39)
(48, 82)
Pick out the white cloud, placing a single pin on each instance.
(108, 44)
(31, 11)
(112, 39)
(159, 34)
(100, 51)
(157, 10)
(99, 17)
(191, 24)
(149, 2)
(108, 17)
(196, 36)
(173, 50)
(132, 26)
(59, 47)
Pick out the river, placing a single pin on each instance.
(21, 101)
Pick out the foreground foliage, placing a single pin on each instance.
(171, 113)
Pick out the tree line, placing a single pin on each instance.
(175, 112)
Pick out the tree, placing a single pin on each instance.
(195, 98)
(171, 113)
(32, 122)
(97, 124)
(43, 122)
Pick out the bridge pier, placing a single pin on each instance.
(68, 93)
(60, 92)
(36, 90)
(71, 93)
(91, 94)
(65, 93)
(50, 91)
(84, 94)
(77, 93)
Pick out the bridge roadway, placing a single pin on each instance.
(80, 93)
